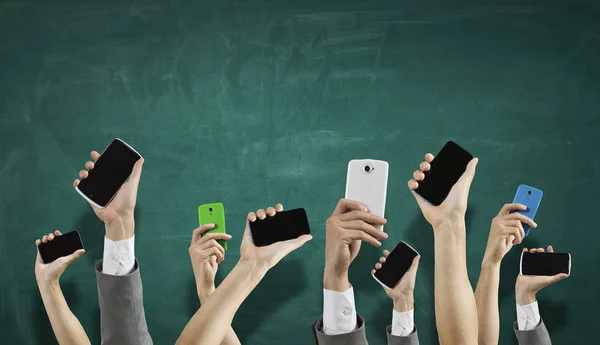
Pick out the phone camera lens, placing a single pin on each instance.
(368, 168)
(529, 192)
(210, 209)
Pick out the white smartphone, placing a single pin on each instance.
(366, 183)
(111, 170)
(545, 264)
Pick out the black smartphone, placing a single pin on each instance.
(63, 245)
(283, 226)
(110, 171)
(395, 265)
(446, 168)
(545, 264)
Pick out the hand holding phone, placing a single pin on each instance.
(531, 198)
(281, 226)
(104, 177)
(267, 256)
(538, 270)
(366, 182)
(55, 253)
(213, 214)
(444, 171)
(453, 205)
(395, 264)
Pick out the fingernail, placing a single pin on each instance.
(364, 209)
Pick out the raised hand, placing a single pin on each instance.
(349, 225)
(455, 204)
(506, 231)
(403, 293)
(51, 272)
(527, 287)
(123, 203)
(206, 255)
(270, 255)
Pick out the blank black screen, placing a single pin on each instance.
(446, 168)
(110, 171)
(283, 226)
(64, 245)
(545, 264)
(396, 265)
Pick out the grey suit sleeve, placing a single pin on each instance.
(122, 316)
(411, 339)
(356, 337)
(536, 336)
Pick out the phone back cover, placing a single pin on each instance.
(217, 217)
(368, 188)
(530, 197)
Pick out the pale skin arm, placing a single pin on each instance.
(455, 308)
(66, 326)
(506, 231)
(213, 320)
(206, 255)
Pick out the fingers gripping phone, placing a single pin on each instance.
(283, 226)
(545, 264)
(110, 171)
(530, 197)
(446, 169)
(213, 214)
(395, 265)
(62, 245)
(366, 182)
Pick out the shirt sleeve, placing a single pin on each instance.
(528, 316)
(403, 323)
(119, 257)
(339, 312)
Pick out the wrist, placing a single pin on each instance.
(48, 285)
(255, 270)
(120, 228)
(335, 280)
(525, 297)
(204, 294)
(404, 303)
(490, 263)
(452, 223)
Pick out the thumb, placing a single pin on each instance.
(69, 259)
(136, 173)
(558, 277)
(297, 242)
(247, 233)
(469, 173)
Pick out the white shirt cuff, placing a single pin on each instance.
(403, 323)
(339, 312)
(528, 316)
(118, 258)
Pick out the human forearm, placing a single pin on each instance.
(121, 228)
(230, 338)
(65, 325)
(456, 311)
(212, 321)
(486, 297)
(335, 279)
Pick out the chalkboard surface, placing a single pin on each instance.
(250, 103)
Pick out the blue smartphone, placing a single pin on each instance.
(530, 197)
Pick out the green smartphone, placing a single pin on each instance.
(213, 214)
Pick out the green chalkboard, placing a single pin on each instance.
(250, 103)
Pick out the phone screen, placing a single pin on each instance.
(545, 264)
(110, 171)
(396, 265)
(63, 245)
(283, 226)
(446, 168)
